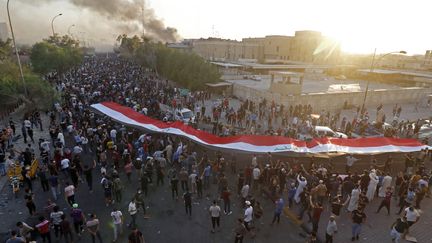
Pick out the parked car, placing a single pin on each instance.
(185, 115)
(322, 131)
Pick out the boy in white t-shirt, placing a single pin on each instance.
(118, 222)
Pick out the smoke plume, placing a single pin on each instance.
(129, 13)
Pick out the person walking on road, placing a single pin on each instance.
(132, 209)
(43, 228)
(331, 229)
(215, 216)
(187, 198)
(399, 229)
(139, 200)
(136, 236)
(56, 220)
(248, 215)
(93, 228)
(88, 174)
(117, 217)
(240, 231)
(78, 219)
(29, 196)
(117, 189)
(24, 230)
(358, 218)
(65, 229)
(386, 201)
(412, 215)
(174, 183)
(279, 205)
(227, 201)
(69, 194)
(317, 209)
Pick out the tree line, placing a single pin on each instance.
(185, 68)
(53, 55)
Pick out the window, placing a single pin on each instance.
(277, 48)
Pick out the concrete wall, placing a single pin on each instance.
(336, 101)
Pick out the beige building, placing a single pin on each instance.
(303, 47)
(217, 49)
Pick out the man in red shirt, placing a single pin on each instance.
(44, 229)
(386, 201)
(136, 236)
(316, 214)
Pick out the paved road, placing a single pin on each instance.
(168, 222)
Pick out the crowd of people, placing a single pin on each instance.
(116, 151)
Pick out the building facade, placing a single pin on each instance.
(303, 47)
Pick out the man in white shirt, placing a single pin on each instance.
(331, 229)
(60, 137)
(192, 178)
(349, 163)
(118, 223)
(256, 175)
(248, 215)
(113, 135)
(254, 161)
(132, 209)
(412, 215)
(27, 123)
(245, 191)
(215, 215)
(70, 193)
(64, 164)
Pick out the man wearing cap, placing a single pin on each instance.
(78, 219)
(248, 215)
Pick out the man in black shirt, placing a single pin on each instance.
(187, 197)
(399, 229)
(358, 217)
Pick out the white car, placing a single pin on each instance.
(323, 131)
(184, 115)
(256, 78)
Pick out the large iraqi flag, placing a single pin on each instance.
(256, 143)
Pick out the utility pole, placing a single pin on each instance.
(16, 51)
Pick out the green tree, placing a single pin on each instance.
(5, 49)
(187, 69)
(57, 53)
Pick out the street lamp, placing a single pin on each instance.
(69, 33)
(16, 51)
(372, 70)
(52, 22)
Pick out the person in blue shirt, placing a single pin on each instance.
(279, 205)
(291, 193)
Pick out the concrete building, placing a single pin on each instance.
(4, 32)
(216, 49)
(303, 47)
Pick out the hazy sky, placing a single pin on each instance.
(360, 26)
